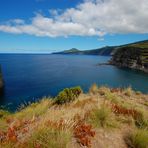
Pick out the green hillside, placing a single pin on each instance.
(110, 50)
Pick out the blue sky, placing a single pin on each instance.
(44, 26)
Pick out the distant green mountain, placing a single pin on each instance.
(133, 55)
(106, 51)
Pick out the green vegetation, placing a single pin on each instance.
(138, 139)
(68, 95)
(101, 117)
(134, 56)
(111, 50)
(34, 109)
(48, 137)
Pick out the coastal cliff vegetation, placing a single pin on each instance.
(103, 117)
(134, 56)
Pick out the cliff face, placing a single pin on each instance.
(131, 57)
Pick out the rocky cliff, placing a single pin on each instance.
(134, 57)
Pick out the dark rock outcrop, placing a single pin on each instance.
(131, 57)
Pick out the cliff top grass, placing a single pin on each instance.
(103, 117)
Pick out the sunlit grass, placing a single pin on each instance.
(47, 137)
(102, 117)
(138, 139)
(34, 109)
(52, 125)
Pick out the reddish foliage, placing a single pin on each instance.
(83, 134)
(11, 134)
(56, 124)
(37, 145)
(9, 120)
(2, 136)
(25, 130)
(121, 110)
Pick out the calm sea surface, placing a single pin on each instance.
(29, 77)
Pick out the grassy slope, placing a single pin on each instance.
(101, 118)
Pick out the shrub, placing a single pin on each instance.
(138, 139)
(68, 95)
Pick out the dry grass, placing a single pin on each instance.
(46, 124)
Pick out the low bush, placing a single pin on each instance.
(68, 95)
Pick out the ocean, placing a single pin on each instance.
(29, 77)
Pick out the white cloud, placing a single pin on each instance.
(90, 18)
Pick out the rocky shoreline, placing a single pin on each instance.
(133, 58)
(136, 67)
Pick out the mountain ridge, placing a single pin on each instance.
(105, 51)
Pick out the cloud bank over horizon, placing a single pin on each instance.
(89, 18)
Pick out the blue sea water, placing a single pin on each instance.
(29, 77)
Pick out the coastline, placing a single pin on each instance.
(137, 67)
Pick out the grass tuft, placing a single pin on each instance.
(93, 89)
(34, 109)
(47, 137)
(128, 91)
(138, 139)
(101, 117)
